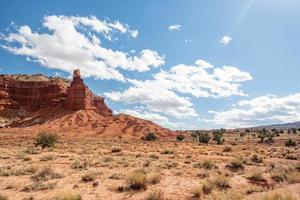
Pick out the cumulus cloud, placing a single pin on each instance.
(225, 40)
(164, 92)
(75, 42)
(155, 98)
(260, 111)
(174, 27)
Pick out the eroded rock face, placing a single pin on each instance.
(79, 96)
(37, 91)
(30, 94)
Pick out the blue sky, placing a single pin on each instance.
(183, 64)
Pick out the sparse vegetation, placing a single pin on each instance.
(88, 177)
(155, 195)
(46, 173)
(46, 140)
(204, 137)
(218, 136)
(290, 143)
(137, 180)
(2, 197)
(235, 165)
(256, 175)
(150, 137)
(180, 137)
(66, 194)
(255, 158)
(277, 196)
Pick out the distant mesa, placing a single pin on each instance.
(63, 105)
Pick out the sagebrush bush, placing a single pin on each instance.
(45, 139)
(88, 177)
(206, 164)
(255, 158)
(221, 182)
(235, 165)
(180, 137)
(150, 137)
(256, 175)
(290, 143)
(204, 138)
(46, 173)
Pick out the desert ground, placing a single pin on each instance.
(90, 166)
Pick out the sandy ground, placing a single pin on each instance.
(177, 167)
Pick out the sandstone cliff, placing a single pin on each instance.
(62, 105)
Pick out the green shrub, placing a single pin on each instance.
(290, 143)
(203, 138)
(150, 137)
(45, 139)
(180, 137)
(218, 136)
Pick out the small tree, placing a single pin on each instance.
(262, 134)
(45, 139)
(150, 137)
(270, 135)
(180, 137)
(218, 136)
(203, 138)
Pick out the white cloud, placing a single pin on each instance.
(199, 82)
(174, 27)
(163, 93)
(260, 111)
(225, 40)
(75, 42)
(231, 74)
(155, 98)
(203, 64)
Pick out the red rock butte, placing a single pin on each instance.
(37, 101)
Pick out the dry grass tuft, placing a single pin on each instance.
(155, 195)
(277, 196)
(137, 180)
(46, 173)
(66, 194)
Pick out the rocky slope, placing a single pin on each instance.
(41, 102)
